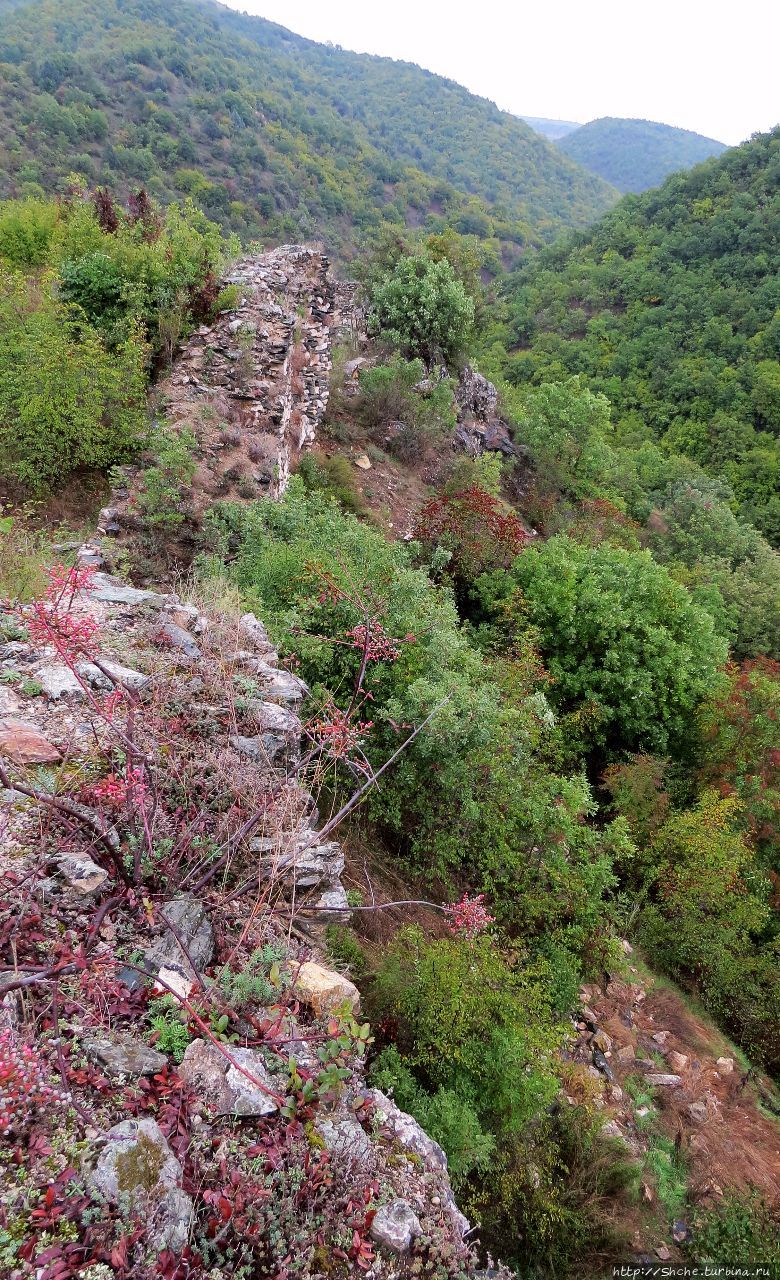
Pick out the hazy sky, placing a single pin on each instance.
(709, 66)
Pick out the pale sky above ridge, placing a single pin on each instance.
(711, 67)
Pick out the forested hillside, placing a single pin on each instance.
(274, 135)
(636, 154)
(670, 306)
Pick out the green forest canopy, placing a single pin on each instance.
(670, 306)
(273, 135)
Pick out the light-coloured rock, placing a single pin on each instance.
(223, 1080)
(23, 743)
(344, 1137)
(58, 681)
(396, 1226)
(189, 918)
(82, 874)
(626, 1053)
(663, 1080)
(172, 636)
(363, 462)
(661, 1037)
(116, 675)
(135, 1160)
(407, 1132)
(113, 591)
(601, 1041)
(10, 702)
(324, 989)
(697, 1111)
(724, 1066)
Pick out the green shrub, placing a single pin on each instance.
(616, 631)
(164, 482)
(743, 1228)
(388, 394)
(65, 400)
(423, 309)
(26, 232)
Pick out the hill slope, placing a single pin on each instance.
(272, 134)
(553, 129)
(636, 154)
(670, 305)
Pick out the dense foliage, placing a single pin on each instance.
(272, 134)
(669, 306)
(89, 295)
(636, 154)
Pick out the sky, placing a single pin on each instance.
(704, 65)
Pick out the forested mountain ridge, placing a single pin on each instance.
(636, 154)
(670, 306)
(272, 134)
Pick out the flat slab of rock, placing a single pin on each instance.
(663, 1080)
(117, 675)
(134, 1160)
(113, 591)
(324, 990)
(396, 1226)
(127, 1057)
(23, 743)
(175, 637)
(224, 1088)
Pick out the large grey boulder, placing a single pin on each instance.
(223, 1081)
(134, 1160)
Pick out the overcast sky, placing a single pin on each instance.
(709, 66)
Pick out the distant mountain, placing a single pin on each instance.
(635, 155)
(272, 134)
(670, 305)
(552, 129)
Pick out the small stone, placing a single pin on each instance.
(661, 1037)
(601, 1041)
(81, 873)
(663, 1253)
(663, 1080)
(363, 461)
(589, 1017)
(724, 1066)
(21, 742)
(680, 1231)
(396, 1226)
(626, 1053)
(677, 1061)
(175, 637)
(324, 989)
(10, 702)
(642, 1112)
(697, 1112)
(612, 1130)
(127, 1057)
(615, 1093)
(173, 982)
(628, 950)
(58, 681)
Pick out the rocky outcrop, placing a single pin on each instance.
(251, 388)
(480, 427)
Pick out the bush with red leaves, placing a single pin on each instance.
(476, 529)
